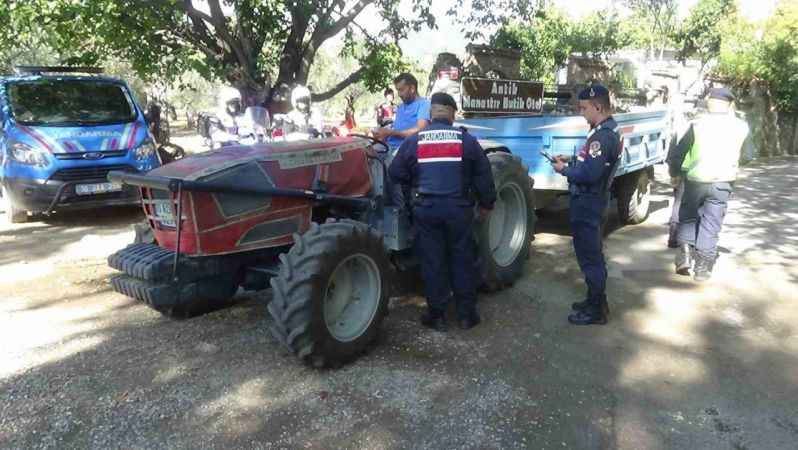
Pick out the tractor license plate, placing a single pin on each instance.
(97, 188)
(163, 211)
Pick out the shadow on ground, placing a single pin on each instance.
(679, 366)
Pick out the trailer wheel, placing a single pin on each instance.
(13, 214)
(634, 197)
(332, 293)
(504, 239)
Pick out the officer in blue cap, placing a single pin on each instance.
(446, 167)
(707, 156)
(589, 175)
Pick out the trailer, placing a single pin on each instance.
(645, 139)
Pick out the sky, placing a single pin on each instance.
(425, 45)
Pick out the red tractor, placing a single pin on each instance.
(312, 219)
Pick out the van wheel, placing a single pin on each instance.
(13, 214)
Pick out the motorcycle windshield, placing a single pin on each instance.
(59, 102)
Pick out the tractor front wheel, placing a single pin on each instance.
(331, 293)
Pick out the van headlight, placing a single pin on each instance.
(25, 154)
(145, 150)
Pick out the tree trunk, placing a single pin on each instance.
(772, 124)
(253, 95)
(764, 121)
(792, 143)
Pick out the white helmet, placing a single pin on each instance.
(300, 94)
(228, 96)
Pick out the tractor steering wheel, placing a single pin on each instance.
(373, 141)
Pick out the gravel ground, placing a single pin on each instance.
(679, 366)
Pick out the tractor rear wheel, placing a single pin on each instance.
(331, 293)
(505, 237)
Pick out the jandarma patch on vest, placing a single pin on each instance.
(595, 148)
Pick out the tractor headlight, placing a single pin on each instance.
(25, 154)
(145, 150)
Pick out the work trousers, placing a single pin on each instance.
(585, 213)
(701, 215)
(446, 248)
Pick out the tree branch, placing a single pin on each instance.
(328, 32)
(201, 32)
(354, 77)
(220, 25)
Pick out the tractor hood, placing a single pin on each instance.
(337, 165)
(224, 222)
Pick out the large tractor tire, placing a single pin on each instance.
(331, 293)
(634, 197)
(13, 214)
(505, 237)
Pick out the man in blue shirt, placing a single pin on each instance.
(411, 116)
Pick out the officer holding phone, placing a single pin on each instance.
(589, 178)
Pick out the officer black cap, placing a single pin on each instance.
(721, 94)
(442, 98)
(593, 91)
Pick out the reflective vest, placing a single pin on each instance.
(440, 161)
(715, 154)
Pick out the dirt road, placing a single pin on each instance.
(679, 366)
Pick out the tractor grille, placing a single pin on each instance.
(89, 173)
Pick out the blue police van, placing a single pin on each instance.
(61, 131)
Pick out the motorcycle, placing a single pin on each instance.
(252, 127)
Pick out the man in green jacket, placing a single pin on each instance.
(707, 156)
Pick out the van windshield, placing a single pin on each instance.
(69, 103)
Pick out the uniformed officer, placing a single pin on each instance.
(445, 165)
(589, 179)
(708, 155)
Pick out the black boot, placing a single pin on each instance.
(469, 321)
(435, 321)
(703, 268)
(583, 305)
(684, 259)
(673, 232)
(589, 316)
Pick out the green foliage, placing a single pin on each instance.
(20, 42)
(250, 44)
(550, 37)
(483, 15)
(766, 52)
(651, 24)
(701, 34)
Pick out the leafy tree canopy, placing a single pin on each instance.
(250, 44)
(700, 35)
(546, 40)
(766, 52)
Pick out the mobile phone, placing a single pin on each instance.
(547, 156)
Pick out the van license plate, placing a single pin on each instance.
(97, 188)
